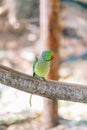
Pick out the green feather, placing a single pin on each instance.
(34, 63)
(33, 67)
(47, 55)
(41, 66)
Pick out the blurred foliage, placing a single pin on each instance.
(27, 8)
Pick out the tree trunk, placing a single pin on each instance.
(49, 40)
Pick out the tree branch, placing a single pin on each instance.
(50, 89)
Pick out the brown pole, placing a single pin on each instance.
(49, 40)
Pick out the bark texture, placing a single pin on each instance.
(49, 88)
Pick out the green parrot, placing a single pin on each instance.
(41, 65)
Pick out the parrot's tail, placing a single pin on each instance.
(30, 102)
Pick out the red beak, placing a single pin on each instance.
(52, 57)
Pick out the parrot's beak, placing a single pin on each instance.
(52, 57)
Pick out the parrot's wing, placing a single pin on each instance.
(34, 63)
(33, 67)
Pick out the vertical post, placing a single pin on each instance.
(49, 38)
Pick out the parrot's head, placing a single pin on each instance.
(48, 55)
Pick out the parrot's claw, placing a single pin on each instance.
(42, 78)
(36, 76)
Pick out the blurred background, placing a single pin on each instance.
(19, 41)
